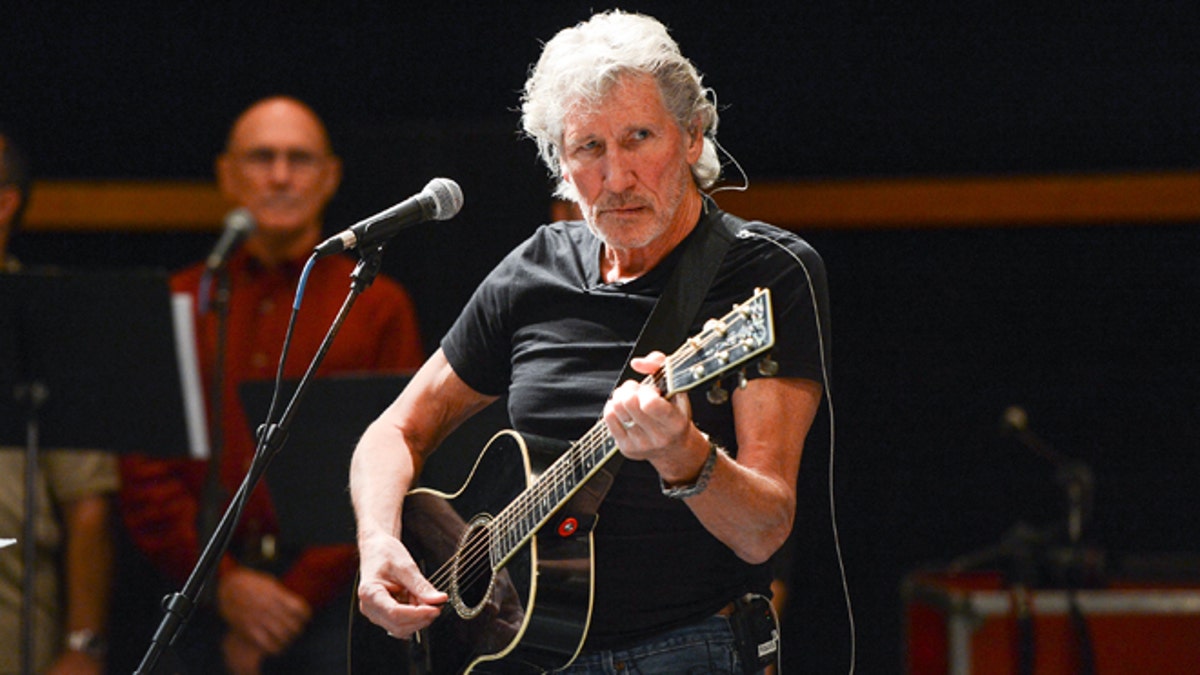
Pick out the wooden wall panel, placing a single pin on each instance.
(89, 206)
(1165, 197)
(966, 202)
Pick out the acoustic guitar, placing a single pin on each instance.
(512, 547)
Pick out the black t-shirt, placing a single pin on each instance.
(545, 329)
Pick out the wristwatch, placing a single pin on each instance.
(87, 641)
(701, 482)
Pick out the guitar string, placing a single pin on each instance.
(478, 548)
(472, 555)
(520, 510)
(689, 349)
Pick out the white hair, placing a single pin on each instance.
(580, 65)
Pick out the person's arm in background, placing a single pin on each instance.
(87, 572)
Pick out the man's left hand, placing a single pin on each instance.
(649, 427)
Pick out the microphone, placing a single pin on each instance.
(238, 225)
(1015, 419)
(440, 200)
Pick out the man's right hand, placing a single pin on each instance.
(392, 592)
(261, 609)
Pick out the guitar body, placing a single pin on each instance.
(528, 614)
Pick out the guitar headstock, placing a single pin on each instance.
(724, 344)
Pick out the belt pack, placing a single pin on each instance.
(755, 632)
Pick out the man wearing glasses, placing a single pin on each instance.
(282, 608)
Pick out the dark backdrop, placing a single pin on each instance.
(936, 332)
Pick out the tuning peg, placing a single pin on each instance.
(768, 366)
(716, 394)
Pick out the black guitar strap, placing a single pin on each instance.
(670, 320)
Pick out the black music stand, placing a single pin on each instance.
(91, 360)
(308, 481)
(101, 347)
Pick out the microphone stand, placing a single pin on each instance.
(178, 606)
(212, 494)
(35, 394)
(1078, 482)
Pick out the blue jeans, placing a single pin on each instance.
(704, 647)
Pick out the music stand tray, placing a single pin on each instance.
(103, 348)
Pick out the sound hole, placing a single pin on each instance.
(473, 571)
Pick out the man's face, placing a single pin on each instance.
(630, 163)
(278, 165)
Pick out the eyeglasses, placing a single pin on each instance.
(297, 161)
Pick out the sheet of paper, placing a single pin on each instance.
(189, 375)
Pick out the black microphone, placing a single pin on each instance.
(440, 200)
(238, 225)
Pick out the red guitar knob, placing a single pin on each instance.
(567, 527)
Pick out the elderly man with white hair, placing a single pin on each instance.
(656, 560)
